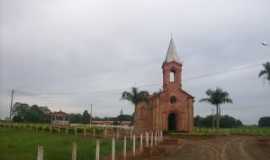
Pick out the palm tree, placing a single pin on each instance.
(217, 97)
(135, 97)
(266, 71)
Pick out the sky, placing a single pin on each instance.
(68, 54)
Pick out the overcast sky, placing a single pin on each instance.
(68, 54)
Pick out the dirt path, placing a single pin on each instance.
(219, 148)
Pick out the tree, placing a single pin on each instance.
(25, 113)
(264, 122)
(217, 97)
(86, 117)
(75, 118)
(266, 71)
(135, 97)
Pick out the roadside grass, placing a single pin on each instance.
(21, 144)
(251, 131)
(209, 132)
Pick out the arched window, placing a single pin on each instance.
(172, 76)
(173, 99)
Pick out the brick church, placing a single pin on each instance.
(172, 107)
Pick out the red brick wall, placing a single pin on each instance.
(155, 114)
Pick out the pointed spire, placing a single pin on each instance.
(172, 53)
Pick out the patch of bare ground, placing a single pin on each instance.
(213, 148)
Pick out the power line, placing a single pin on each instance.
(119, 90)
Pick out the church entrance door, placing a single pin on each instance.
(172, 122)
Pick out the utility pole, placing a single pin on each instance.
(11, 104)
(91, 114)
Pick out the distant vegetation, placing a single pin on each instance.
(226, 121)
(23, 112)
(264, 122)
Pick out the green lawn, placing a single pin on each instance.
(21, 144)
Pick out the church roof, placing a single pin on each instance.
(172, 53)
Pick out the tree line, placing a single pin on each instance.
(23, 112)
(226, 121)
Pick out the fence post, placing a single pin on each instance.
(94, 132)
(40, 152)
(125, 148)
(161, 136)
(155, 138)
(97, 149)
(141, 142)
(74, 151)
(130, 134)
(66, 130)
(117, 133)
(147, 139)
(105, 131)
(113, 148)
(84, 131)
(75, 131)
(152, 139)
(134, 145)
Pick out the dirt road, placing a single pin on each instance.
(218, 148)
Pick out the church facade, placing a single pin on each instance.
(172, 107)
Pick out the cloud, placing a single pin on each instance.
(60, 53)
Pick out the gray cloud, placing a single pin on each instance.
(69, 54)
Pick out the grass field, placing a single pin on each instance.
(21, 144)
(256, 131)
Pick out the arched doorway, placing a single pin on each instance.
(172, 122)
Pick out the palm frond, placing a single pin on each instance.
(262, 73)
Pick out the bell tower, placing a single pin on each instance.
(172, 69)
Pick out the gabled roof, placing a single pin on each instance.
(172, 53)
(187, 94)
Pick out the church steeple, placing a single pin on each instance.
(172, 69)
(172, 53)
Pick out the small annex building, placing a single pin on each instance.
(172, 107)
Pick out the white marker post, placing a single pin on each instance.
(74, 151)
(141, 143)
(66, 130)
(40, 152)
(156, 138)
(75, 131)
(130, 134)
(117, 133)
(113, 148)
(84, 131)
(94, 132)
(125, 148)
(97, 149)
(134, 145)
(161, 136)
(147, 139)
(152, 139)
(105, 132)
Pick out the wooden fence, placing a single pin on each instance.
(140, 141)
